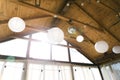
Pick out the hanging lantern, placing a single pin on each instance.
(55, 35)
(101, 46)
(80, 38)
(16, 24)
(116, 49)
(72, 30)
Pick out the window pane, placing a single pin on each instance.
(116, 70)
(12, 71)
(16, 47)
(63, 42)
(111, 71)
(39, 50)
(78, 57)
(59, 53)
(107, 74)
(42, 36)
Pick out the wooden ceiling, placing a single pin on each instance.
(95, 19)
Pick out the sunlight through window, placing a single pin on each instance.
(16, 47)
(60, 53)
(40, 50)
(78, 57)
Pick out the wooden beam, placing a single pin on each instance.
(89, 39)
(31, 18)
(110, 8)
(36, 40)
(102, 27)
(107, 58)
(36, 30)
(88, 15)
(63, 6)
(60, 11)
(114, 24)
(52, 14)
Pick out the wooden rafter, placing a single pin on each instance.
(53, 14)
(38, 17)
(104, 28)
(110, 8)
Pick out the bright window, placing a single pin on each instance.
(16, 47)
(111, 71)
(78, 57)
(40, 50)
(60, 53)
(42, 36)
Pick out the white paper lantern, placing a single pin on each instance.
(16, 24)
(101, 46)
(80, 38)
(116, 49)
(55, 35)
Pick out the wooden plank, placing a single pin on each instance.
(53, 14)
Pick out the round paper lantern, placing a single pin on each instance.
(116, 49)
(80, 38)
(72, 30)
(16, 24)
(55, 35)
(101, 46)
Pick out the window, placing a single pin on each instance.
(16, 47)
(42, 36)
(40, 50)
(59, 53)
(78, 57)
(111, 71)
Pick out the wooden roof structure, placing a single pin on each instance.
(95, 19)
